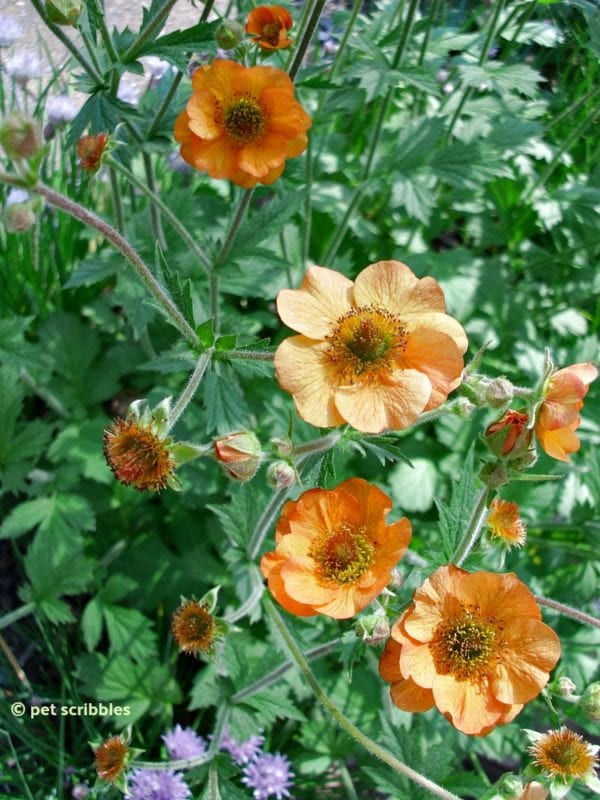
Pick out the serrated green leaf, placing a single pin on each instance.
(101, 113)
(503, 78)
(226, 407)
(181, 293)
(274, 704)
(92, 270)
(26, 516)
(240, 515)
(176, 46)
(91, 623)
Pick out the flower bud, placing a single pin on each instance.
(494, 475)
(281, 475)
(373, 629)
(508, 437)
(63, 12)
(229, 34)
(499, 392)
(526, 461)
(566, 687)
(20, 136)
(239, 454)
(90, 150)
(396, 579)
(464, 407)
(283, 446)
(590, 702)
(19, 218)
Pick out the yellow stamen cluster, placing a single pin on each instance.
(463, 647)
(366, 342)
(344, 555)
(244, 121)
(563, 754)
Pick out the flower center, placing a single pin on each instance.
(244, 121)
(365, 342)
(344, 555)
(193, 627)
(563, 753)
(137, 456)
(270, 33)
(463, 647)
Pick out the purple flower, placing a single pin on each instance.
(155, 784)
(184, 743)
(10, 31)
(269, 775)
(241, 752)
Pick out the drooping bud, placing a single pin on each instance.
(373, 629)
(396, 579)
(590, 702)
(90, 150)
(463, 407)
(566, 687)
(229, 34)
(19, 217)
(499, 392)
(20, 136)
(63, 12)
(239, 454)
(283, 446)
(509, 437)
(281, 475)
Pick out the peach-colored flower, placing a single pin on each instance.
(472, 644)
(558, 416)
(504, 523)
(241, 123)
(534, 791)
(334, 553)
(270, 25)
(374, 353)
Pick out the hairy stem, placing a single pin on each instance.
(312, 20)
(347, 725)
(16, 615)
(245, 355)
(476, 523)
(188, 393)
(569, 611)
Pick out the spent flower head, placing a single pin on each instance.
(138, 455)
(196, 627)
(90, 149)
(269, 775)
(563, 756)
(505, 524)
(111, 759)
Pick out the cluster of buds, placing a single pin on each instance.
(373, 629)
(588, 702)
(140, 452)
(195, 626)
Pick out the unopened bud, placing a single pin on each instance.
(590, 702)
(90, 150)
(229, 34)
(509, 437)
(239, 455)
(566, 687)
(526, 461)
(20, 136)
(281, 475)
(63, 12)
(499, 392)
(396, 579)
(464, 407)
(19, 218)
(283, 446)
(494, 475)
(373, 629)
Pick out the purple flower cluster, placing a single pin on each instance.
(155, 784)
(268, 775)
(183, 743)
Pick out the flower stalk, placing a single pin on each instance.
(16, 615)
(569, 611)
(474, 528)
(190, 390)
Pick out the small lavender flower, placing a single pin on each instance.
(16, 196)
(10, 31)
(184, 743)
(157, 67)
(154, 784)
(80, 791)
(269, 775)
(241, 752)
(24, 66)
(128, 93)
(61, 109)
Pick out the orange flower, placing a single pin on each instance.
(558, 417)
(241, 123)
(334, 553)
(508, 436)
(270, 25)
(111, 759)
(90, 150)
(505, 523)
(472, 644)
(374, 353)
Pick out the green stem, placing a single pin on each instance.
(16, 615)
(89, 46)
(572, 108)
(340, 232)
(118, 205)
(358, 4)
(45, 394)
(168, 214)
(524, 19)
(316, 9)
(71, 47)
(215, 310)
(569, 611)
(474, 527)
(347, 725)
(245, 355)
(105, 34)
(190, 390)
(154, 212)
(347, 781)
(122, 245)
(164, 106)
(233, 228)
(255, 597)
(318, 445)
(146, 33)
(219, 726)
(316, 652)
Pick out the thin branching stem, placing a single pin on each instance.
(154, 24)
(473, 529)
(569, 611)
(190, 389)
(16, 615)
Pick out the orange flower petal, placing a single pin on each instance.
(392, 405)
(394, 286)
(272, 569)
(438, 356)
(258, 158)
(325, 296)
(389, 662)
(417, 663)
(302, 584)
(469, 706)
(345, 604)
(294, 147)
(534, 651)
(301, 370)
(259, 79)
(559, 444)
(222, 78)
(410, 697)
(442, 323)
(373, 503)
(286, 116)
(215, 157)
(201, 109)
(317, 512)
(181, 130)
